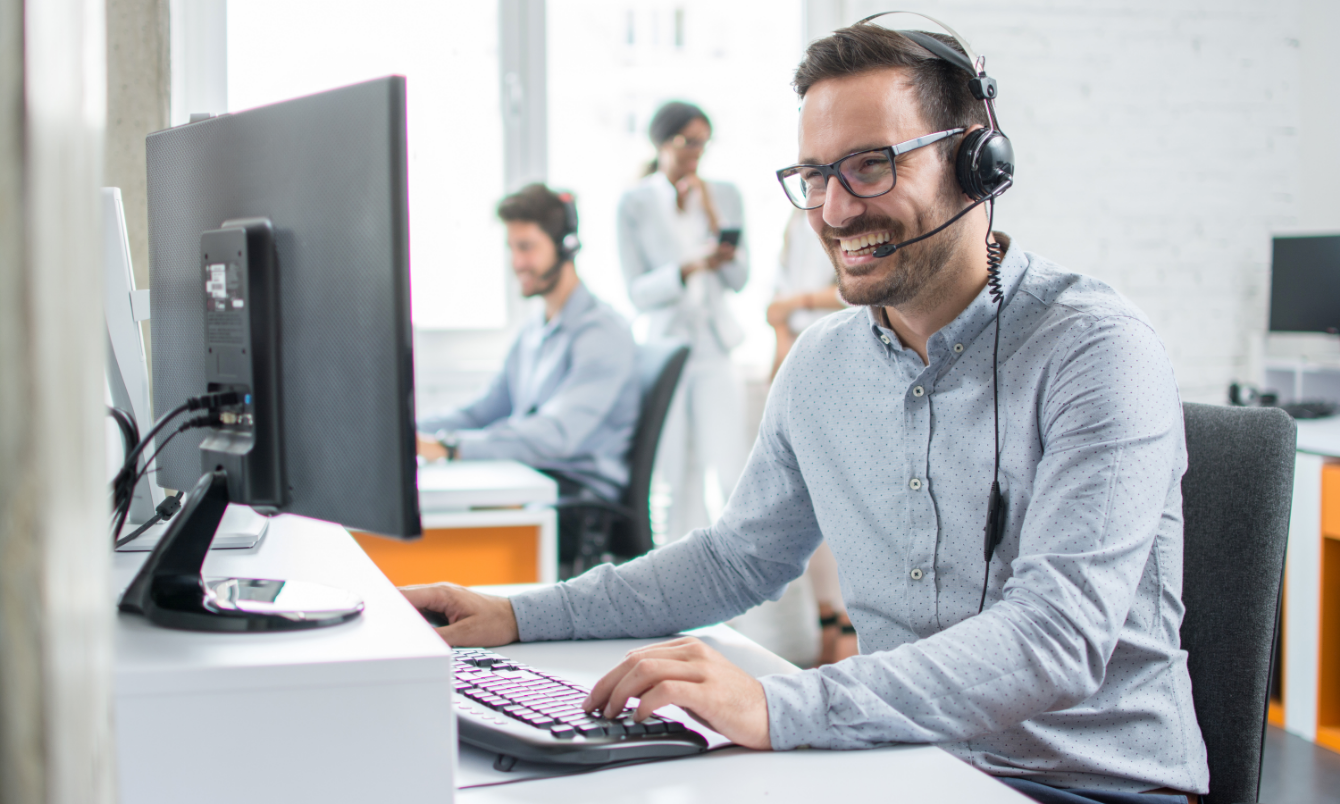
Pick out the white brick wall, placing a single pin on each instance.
(1158, 147)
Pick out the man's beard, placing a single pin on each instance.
(547, 281)
(904, 275)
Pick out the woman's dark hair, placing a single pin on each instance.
(539, 205)
(943, 90)
(669, 120)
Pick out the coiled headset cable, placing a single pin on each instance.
(995, 507)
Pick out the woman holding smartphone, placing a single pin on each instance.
(683, 254)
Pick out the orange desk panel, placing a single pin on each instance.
(467, 556)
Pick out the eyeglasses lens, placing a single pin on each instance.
(866, 174)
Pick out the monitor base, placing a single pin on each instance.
(170, 591)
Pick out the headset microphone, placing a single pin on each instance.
(889, 248)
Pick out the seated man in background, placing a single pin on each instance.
(567, 399)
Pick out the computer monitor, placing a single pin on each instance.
(1305, 284)
(279, 263)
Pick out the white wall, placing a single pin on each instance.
(1158, 147)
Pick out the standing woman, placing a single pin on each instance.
(682, 253)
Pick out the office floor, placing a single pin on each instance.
(1294, 771)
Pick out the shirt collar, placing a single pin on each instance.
(968, 324)
(578, 303)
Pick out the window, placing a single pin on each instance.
(279, 49)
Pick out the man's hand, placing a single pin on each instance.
(687, 673)
(430, 449)
(476, 620)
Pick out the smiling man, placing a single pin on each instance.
(566, 401)
(1055, 662)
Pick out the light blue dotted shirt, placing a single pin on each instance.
(1073, 675)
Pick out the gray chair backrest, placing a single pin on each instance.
(659, 366)
(1236, 498)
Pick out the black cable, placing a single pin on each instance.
(163, 512)
(995, 254)
(123, 512)
(130, 431)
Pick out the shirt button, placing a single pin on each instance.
(916, 574)
(918, 391)
(915, 483)
(884, 338)
(958, 347)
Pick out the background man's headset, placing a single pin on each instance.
(566, 242)
(984, 167)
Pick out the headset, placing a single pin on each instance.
(984, 168)
(567, 241)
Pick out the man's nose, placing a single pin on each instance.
(840, 206)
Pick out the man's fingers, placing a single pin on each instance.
(646, 675)
(683, 694)
(680, 649)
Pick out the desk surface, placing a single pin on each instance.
(461, 485)
(904, 773)
(388, 637)
(1319, 436)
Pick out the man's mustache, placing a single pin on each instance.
(863, 225)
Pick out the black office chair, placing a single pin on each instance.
(1236, 498)
(623, 530)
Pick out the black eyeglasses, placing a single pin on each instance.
(865, 174)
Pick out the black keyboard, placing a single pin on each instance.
(517, 711)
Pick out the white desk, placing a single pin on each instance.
(493, 494)
(355, 713)
(1318, 441)
(902, 773)
(361, 712)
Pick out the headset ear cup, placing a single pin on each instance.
(985, 161)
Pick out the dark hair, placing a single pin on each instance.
(670, 120)
(539, 205)
(942, 89)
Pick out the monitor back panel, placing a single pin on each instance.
(328, 170)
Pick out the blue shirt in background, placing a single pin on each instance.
(1073, 675)
(567, 399)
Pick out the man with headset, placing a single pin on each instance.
(566, 401)
(981, 384)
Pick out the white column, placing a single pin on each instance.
(55, 604)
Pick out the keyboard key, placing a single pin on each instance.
(655, 727)
(562, 731)
(591, 730)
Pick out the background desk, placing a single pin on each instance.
(1311, 640)
(485, 522)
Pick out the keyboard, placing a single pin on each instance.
(1309, 410)
(507, 708)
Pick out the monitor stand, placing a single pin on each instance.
(170, 591)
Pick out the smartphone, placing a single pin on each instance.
(729, 237)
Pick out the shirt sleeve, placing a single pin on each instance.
(601, 364)
(494, 404)
(1113, 454)
(734, 274)
(650, 285)
(761, 543)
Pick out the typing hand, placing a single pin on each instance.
(429, 448)
(475, 620)
(687, 673)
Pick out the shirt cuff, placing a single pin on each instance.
(542, 615)
(797, 711)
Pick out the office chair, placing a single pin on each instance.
(1236, 498)
(624, 529)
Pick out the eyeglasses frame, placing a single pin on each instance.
(832, 170)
